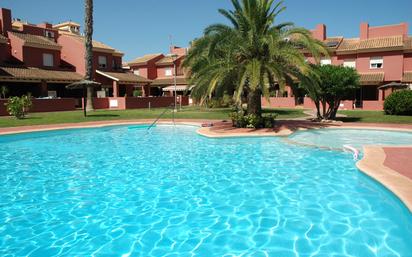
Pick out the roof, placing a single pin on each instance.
(408, 44)
(97, 46)
(36, 41)
(381, 42)
(333, 42)
(169, 81)
(371, 78)
(67, 23)
(355, 44)
(349, 44)
(37, 75)
(407, 77)
(124, 77)
(168, 60)
(144, 59)
(3, 39)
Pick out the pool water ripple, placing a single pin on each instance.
(123, 192)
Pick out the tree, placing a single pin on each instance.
(88, 41)
(328, 85)
(251, 54)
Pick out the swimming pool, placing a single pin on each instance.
(336, 138)
(120, 191)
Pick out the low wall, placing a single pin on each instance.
(45, 105)
(276, 102)
(123, 103)
(372, 105)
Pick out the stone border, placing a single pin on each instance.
(372, 165)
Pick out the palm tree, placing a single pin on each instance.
(251, 54)
(88, 35)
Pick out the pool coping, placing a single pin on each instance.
(372, 163)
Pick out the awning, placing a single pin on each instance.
(124, 77)
(371, 78)
(172, 88)
(29, 74)
(169, 81)
(407, 77)
(393, 85)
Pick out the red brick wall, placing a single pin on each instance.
(33, 57)
(372, 105)
(287, 102)
(46, 105)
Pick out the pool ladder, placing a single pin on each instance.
(160, 116)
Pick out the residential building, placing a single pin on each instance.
(381, 55)
(163, 70)
(43, 59)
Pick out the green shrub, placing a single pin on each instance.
(18, 106)
(220, 102)
(137, 92)
(240, 120)
(399, 103)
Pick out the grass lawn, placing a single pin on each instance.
(185, 113)
(374, 117)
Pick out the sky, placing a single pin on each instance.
(138, 27)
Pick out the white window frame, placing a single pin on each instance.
(374, 62)
(325, 61)
(351, 63)
(136, 72)
(169, 72)
(102, 60)
(48, 60)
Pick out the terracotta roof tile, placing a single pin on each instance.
(350, 44)
(144, 59)
(371, 78)
(169, 81)
(96, 44)
(125, 77)
(167, 60)
(35, 74)
(407, 77)
(382, 42)
(36, 41)
(333, 42)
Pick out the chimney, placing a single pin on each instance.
(364, 30)
(45, 25)
(320, 32)
(405, 30)
(5, 21)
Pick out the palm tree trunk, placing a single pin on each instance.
(88, 36)
(254, 104)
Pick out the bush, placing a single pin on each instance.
(220, 102)
(137, 92)
(240, 120)
(18, 106)
(399, 103)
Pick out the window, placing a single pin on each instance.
(351, 63)
(49, 34)
(114, 65)
(168, 72)
(102, 62)
(325, 61)
(48, 60)
(136, 72)
(376, 63)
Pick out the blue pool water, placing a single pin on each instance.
(117, 191)
(336, 138)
